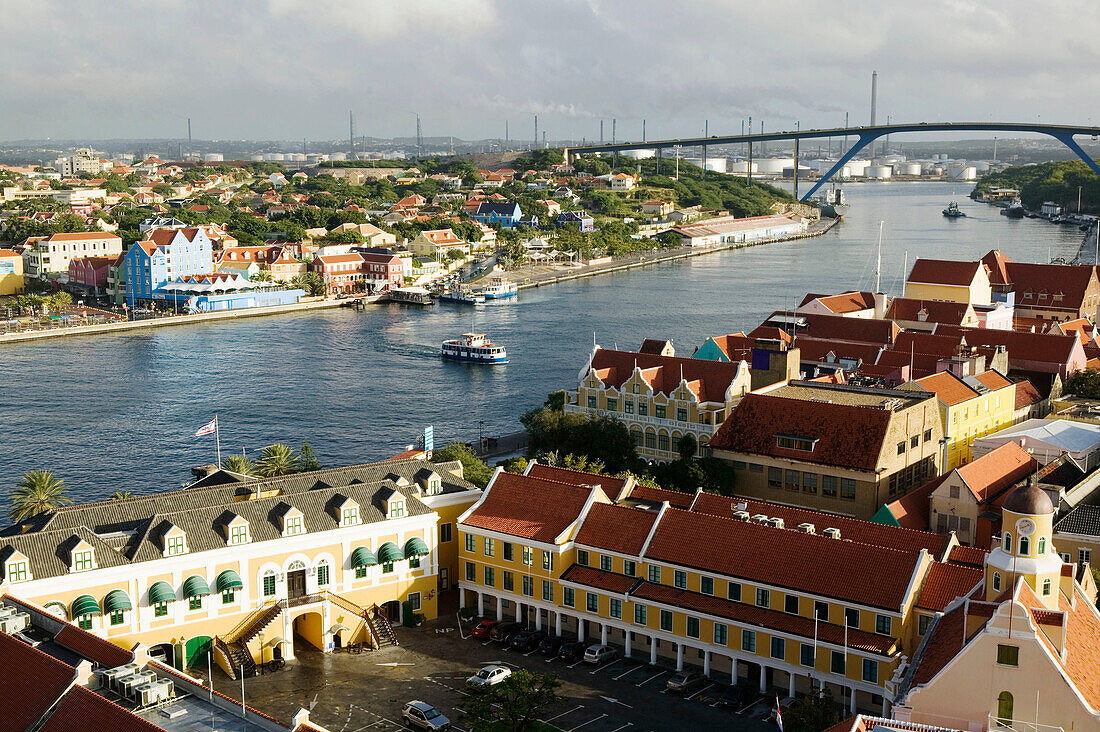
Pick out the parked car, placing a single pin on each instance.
(682, 682)
(571, 651)
(422, 715)
(550, 645)
(504, 632)
(526, 640)
(737, 696)
(489, 676)
(481, 630)
(600, 655)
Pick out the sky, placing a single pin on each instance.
(292, 69)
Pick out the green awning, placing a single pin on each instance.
(228, 580)
(388, 553)
(194, 586)
(161, 592)
(117, 600)
(415, 547)
(85, 605)
(363, 557)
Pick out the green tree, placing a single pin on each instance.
(1084, 383)
(262, 275)
(238, 464)
(474, 469)
(513, 465)
(515, 704)
(37, 492)
(688, 446)
(306, 459)
(277, 459)
(602, 438)
(311, 282)
(812, 713)
(58, 301)
(346, 237)
(120, 495)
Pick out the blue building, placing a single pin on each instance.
(505, 213)
(581, 219)
(163, 256)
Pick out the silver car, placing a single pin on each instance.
(489, 676)
(423, 715)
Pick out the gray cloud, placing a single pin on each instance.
(291, 69)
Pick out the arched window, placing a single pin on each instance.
(1004, 709)
(1042, 545)
(296, 565)
(1008, 542)
(1046, 588)
(1025, 545)
(996, 580)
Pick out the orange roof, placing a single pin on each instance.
(993, 380)
(997, 264)
(970, 555)
(945, 582)
(845, 302)
(997, 470)
(8, 253)
(79, 235)
(340, 258)
(609, 483)
(947, 387)
(41, 679)
(1026, 394)
(930, 311)
(911, 510)
(529, 508)
(616, 528)
(708, 380)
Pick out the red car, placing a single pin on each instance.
(481, 630)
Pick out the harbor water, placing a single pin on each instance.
(119, 412)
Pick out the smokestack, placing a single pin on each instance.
(874, 95)
(536, 133)
(643, 130)
(613, 125)
(189, 148)
(601, 131)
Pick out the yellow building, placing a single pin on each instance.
(970, 406)
(438, 244)
(943, 279)
(249, 567)
(1022, 651)
(11, 272)
(659, 397)
(748, 592)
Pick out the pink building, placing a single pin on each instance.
(382, 271)
(90, 272)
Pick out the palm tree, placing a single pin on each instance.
(261, 276)
(39, 491)
(59, 301)
(120, 496)
(277, 459)
(238, 464)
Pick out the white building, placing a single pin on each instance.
(84, 160)
(51, 256)
(1049, 439)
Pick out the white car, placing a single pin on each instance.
(489, 676)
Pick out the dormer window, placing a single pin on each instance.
(17, 568)
(175, 545)
(83, 558)
(293, 522)
(238, 531)
(396, 508)
(792, 442)
(349, 516)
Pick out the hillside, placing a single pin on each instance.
(1057, 181)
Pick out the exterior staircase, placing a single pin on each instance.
(233, 648)
(380, 627)
(234, 659)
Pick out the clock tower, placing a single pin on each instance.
(1025, 551)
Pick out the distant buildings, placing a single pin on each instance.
(438, 243)
(506, 214)
(50, 257)
(732, 230)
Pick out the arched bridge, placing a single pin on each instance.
(864, 137)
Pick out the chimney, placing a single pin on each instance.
(880, 305)
(806, 528)
(832, 533)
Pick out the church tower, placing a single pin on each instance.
(1025, 550)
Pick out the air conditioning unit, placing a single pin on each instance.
(146, 694)
(12, 624)
(832, 533)
(741, 515)
(6, 610)
(776, 522)
(128, 684)
(112, 676)
(806, 528)
(759, 518)
(742, 506)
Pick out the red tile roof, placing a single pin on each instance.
(857, 330)
(83, 709)
(664, 373)
(93, 647)
(33, 680)
(912, 509)
(947, 387)
(845, 570)
(944, 272)
(852, 529)
(1082, 662)
(1044, 281)
(969, 555)
(945, 582)
(610, 484)
(997, 470)
(530, 508)
(993, 380)
(846, 302)
(847, 436)
(616, 528)
(1026, 394)
(1045, 347)
(944, 644)
(934, 311)
(736, 346)
(82, 236)
(996, 263)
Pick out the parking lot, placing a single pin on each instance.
(347, 693)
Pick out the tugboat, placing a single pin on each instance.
(1015, 211)
(833, 203)
(952, 211)
(499, 287)
(460, 293)
(474, 347)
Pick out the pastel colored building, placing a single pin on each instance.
(943, 279)
(11, 272)
(438, 243)
(90, 273)
(342, 273)
(246, 568)
(50, 257)
(165, 255)
(505, 213)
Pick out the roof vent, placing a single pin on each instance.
(832, 533)
(776, 522)
(806, 528)
(742, 506)
(741, 515)
(759, 518)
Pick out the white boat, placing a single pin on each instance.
(458, 292)
(474, 347)
(499, 287)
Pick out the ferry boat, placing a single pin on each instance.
(499, 287)
(410, 296)
(952, 211)
(460, 293)
(474, 347)
(1015, 211)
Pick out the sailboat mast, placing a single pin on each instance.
(878, 260)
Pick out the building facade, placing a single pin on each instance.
(162, 256)
(11, 272)
(50, 257)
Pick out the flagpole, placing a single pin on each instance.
(218, 439)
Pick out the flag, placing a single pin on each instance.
(778, 716)
(208, 429)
